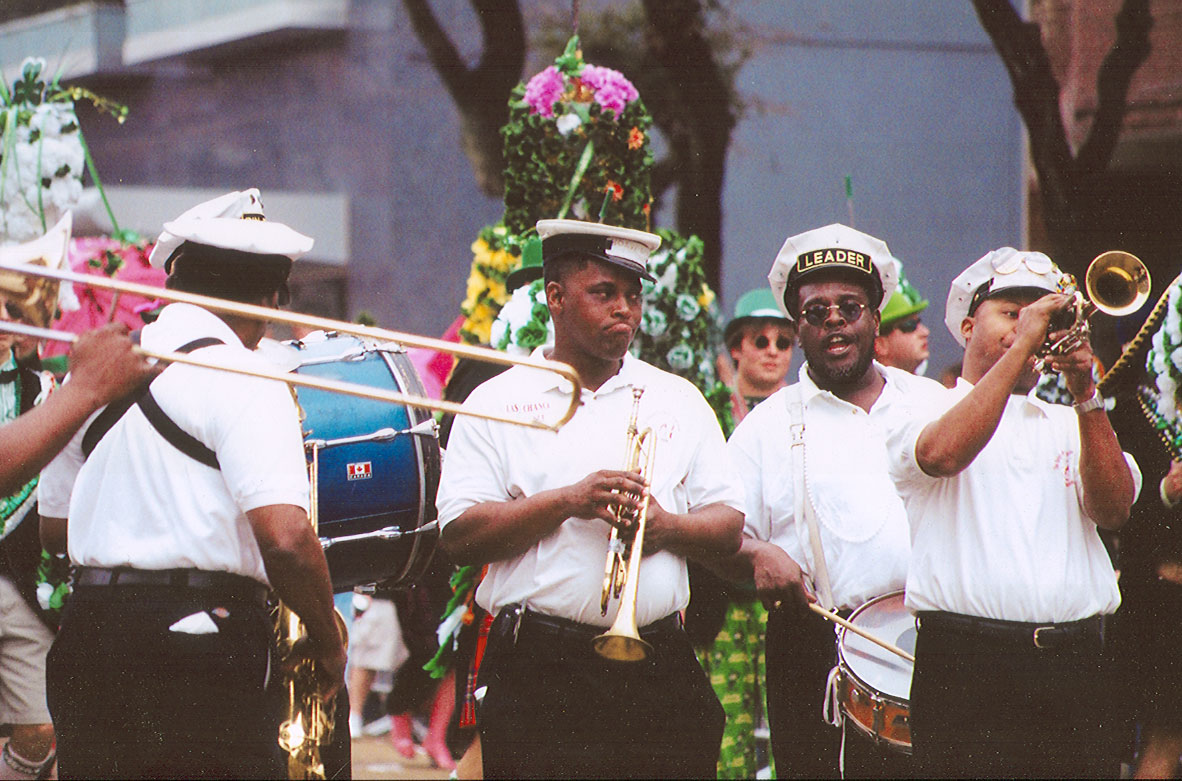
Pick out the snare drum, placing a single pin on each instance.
(874, 685)
(378, 463)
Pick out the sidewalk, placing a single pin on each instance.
(374, 757)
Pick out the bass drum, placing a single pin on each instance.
(378, 463)
(874, 685)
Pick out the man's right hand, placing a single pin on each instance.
(599, 494)
(779, 580)
(103, 362)
(331, 665)
(1035, 319)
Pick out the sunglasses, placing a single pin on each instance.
(908, 326)
(783, 344)
(817, 314)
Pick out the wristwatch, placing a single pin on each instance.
(1096, 402)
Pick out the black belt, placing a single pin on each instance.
(1019, 633)
(201, 580)
(539, 625)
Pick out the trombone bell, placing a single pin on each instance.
(622, 646)
(1117, 283)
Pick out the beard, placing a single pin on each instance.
(828, 376)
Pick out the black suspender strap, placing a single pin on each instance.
(164, 425)
(176, 436)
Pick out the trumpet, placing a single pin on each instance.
(1116, 283)
(12, 292)
(622, 642)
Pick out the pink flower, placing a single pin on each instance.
(543, 90)
(612, 90)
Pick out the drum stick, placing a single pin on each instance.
(813, 606)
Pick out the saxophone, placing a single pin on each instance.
(308, 720)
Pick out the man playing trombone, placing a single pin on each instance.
(1009, 578)
(183, 507)
(537, 507)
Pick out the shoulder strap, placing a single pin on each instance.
(163, 424)
(804, 505)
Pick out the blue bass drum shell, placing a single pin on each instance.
(378, 483)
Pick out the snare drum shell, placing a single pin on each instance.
(884, 716)
(367, 486)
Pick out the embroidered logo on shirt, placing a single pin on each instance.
(362, 470)
(1063, 463)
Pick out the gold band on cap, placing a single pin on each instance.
(833, 256)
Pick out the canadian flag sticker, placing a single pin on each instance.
(362, 470)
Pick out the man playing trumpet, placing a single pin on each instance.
(1009, 578)
(537, 507)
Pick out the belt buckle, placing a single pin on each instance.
(1037, 629)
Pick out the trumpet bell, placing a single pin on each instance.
(621, 647)
(1117, 283)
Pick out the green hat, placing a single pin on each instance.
(530, 268)
(905, 301)
(757, 303)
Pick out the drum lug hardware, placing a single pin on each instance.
(388, 533)
(427, 428)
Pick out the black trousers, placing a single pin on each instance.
(132, 699)
(988, 707)
(556, 709)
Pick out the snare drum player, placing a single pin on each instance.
(832, 282)
(1009, 578)
(537, 507)
(190, 506)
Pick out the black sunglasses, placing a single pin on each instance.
(761, 342)
(908, 326)
(817, 314)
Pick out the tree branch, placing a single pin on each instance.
(1130, 50)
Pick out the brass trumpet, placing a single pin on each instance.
(11, 291)
(622, 642)
(1116, 283)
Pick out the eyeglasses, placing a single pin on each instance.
(783, 343)
(908, 326)
(817, 314)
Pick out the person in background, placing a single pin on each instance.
(903, 338)
(726, 621)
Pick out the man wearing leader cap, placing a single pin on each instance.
(903, 338)
(835, 533)
(537, 508)
(1009, 578)
(180, 509)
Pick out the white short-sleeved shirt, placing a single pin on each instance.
(562, 574)
(861, 519)
(1006, 538)
(140, 502)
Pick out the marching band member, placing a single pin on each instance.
(1009, 577)
(903, 338)
(189, 505)
(832, 282)
(538, 507)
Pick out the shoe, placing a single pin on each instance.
(379, 726)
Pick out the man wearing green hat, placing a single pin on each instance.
(760, 341)
(903, 338)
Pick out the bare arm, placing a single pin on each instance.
(1108, 488)
(103, 368)
(778, 579)
(299, 574)
(948, 445)
(704, 533)
(494, 531)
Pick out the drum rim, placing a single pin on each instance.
(844, 667)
